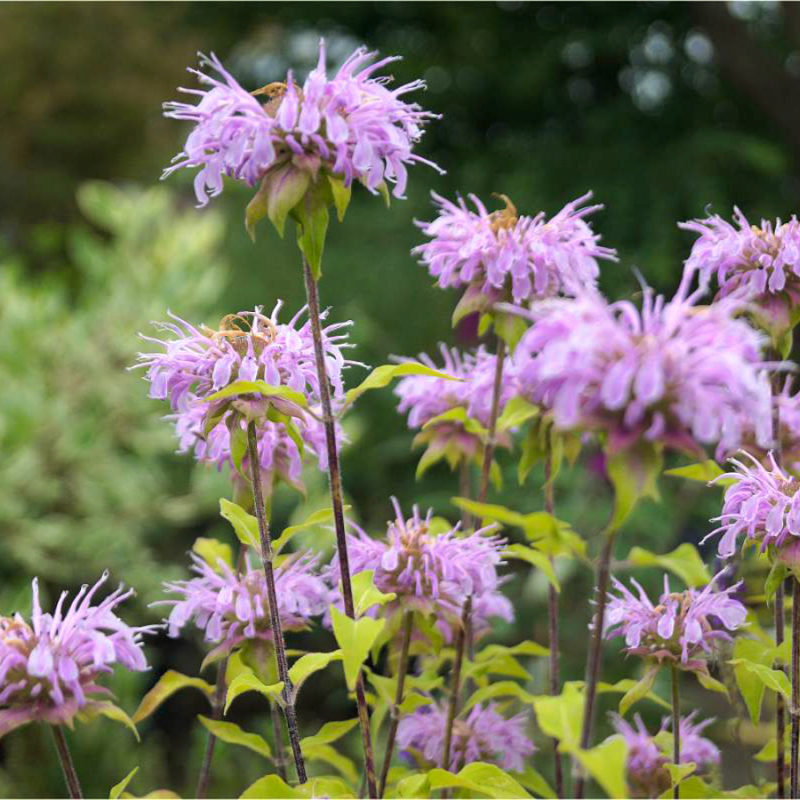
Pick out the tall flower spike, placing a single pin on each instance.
(763, 503)
(50, 667)
(424, 397)
(681, 629)
(429, 572)
(481, 735)
(532, 257)
(673, 372)
(760, 262)
(352, 126)
(231, 609)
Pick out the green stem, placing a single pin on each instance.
(795, 707)
(455, 685)
(67, 765)
(217, 705)
(676, 727)
(277, 735)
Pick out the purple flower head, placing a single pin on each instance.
(530, 257)
(762, 502)
(646, 773)
(673, 372)
(249, 346)
(433, 573)
(232, 608)
(279, 454)
(50, 667)
(762, 263)
(681, 628)
(424, 397)
(480, 735)
(351, 125)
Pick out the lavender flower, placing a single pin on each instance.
(762, 263)
(425, 398)
(231, 608)
(431, 573)
(680, 629)
(351, 125)
(675, 373)
(763, 503)
(646, 773)
(481, 735)
(531, 256)
(50, 667)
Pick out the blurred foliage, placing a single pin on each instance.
(540, 101)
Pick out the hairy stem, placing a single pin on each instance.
(335, 480)
(676, 726)
(402, 668)
(217, 704)
(595, 649)
(455, 684)
(277, 735)
(272, 598)
(67, 766)
(795, 709)
(552, 623)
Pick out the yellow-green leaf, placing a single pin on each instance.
(317, 518)
(104, 708)
(341, 195)
(248, 682)
(606, 764)
(307, 665)
(517, 411)
(355, 638)
(639, 690)
(684, 561)
(478, 778)
(366, 594)
(535, 558)
(233, 734)
(385, 374)
(271, 787)
(703, 471)
(244, 525)
(118, 788)
(169, 683)
(258, 387)
(212, 550)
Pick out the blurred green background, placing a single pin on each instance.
(661, 109)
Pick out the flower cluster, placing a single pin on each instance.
(762, 263)
(674, 372)
(532, 257)
(425, 397)
(763, 503)
(647, 776)
(433, 573)
(681, 628)
(50, 666)
(231, 608)
(480, 735)
(352, 125)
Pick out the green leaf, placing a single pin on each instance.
(413, 787)
(330, 786)
(118, 788)
(317, 518)
(679, 772)
(526, 648)
(329, 732)
(169, 683)
(684, 561)
(233, 734)
(271, 787)
(307, 665)
(606, 764)
(283, 188)
(478, 778)
(634, 474)
(533, 780)
(457, 414)
(536, 558)
(625, 685)
(212, 551)
(248, 682)
(385, 374)
(259, 387)
(509, 327)
(777, 575)
(355, 638)
(639, 690)
(313, 226)
(517, 411)
(773, 679)
(704, 471)
(328, 754)
(238, 446)
(244, 525)
(560, 717)
(104, 708)
(712, 684)
(366, 594)
(413, 701)
(696, 788)
(341, 195)
(499, 689)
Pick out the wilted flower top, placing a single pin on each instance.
(278, 453)
(352, 125)
(430, 572)
(530, 256)
(646, 774)
(762, 502)
(681, 628)
(756, 260)
(248, 346)
(673, 372)
(50, 666)
(482, 734)
(232, 608)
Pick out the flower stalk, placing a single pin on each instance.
(676, 725)
(335, 482)
(402, 668)
(275, 620)
(277, 735)
(455, 684)
(67, 765)
(795, 707)
(217, 705)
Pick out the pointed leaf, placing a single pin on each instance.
(684, 561)
(385, 374)
(366, 594)
(329, 732)
(259, 387)
(317, 518)
(773, 679)
(248, 682)
(233, 734)
(307, 665)
(634, 474)
(212, 551)
(355, 638)
(478, 778)
(118, 788)
(536, 558)
(169, 683)
(704, 471)
(311, 232)
(244, 525)
(499, 689)
(606, 764)
(104, 708)
(341, 195)
(516, 412)
(271, 787)
(639, 690)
